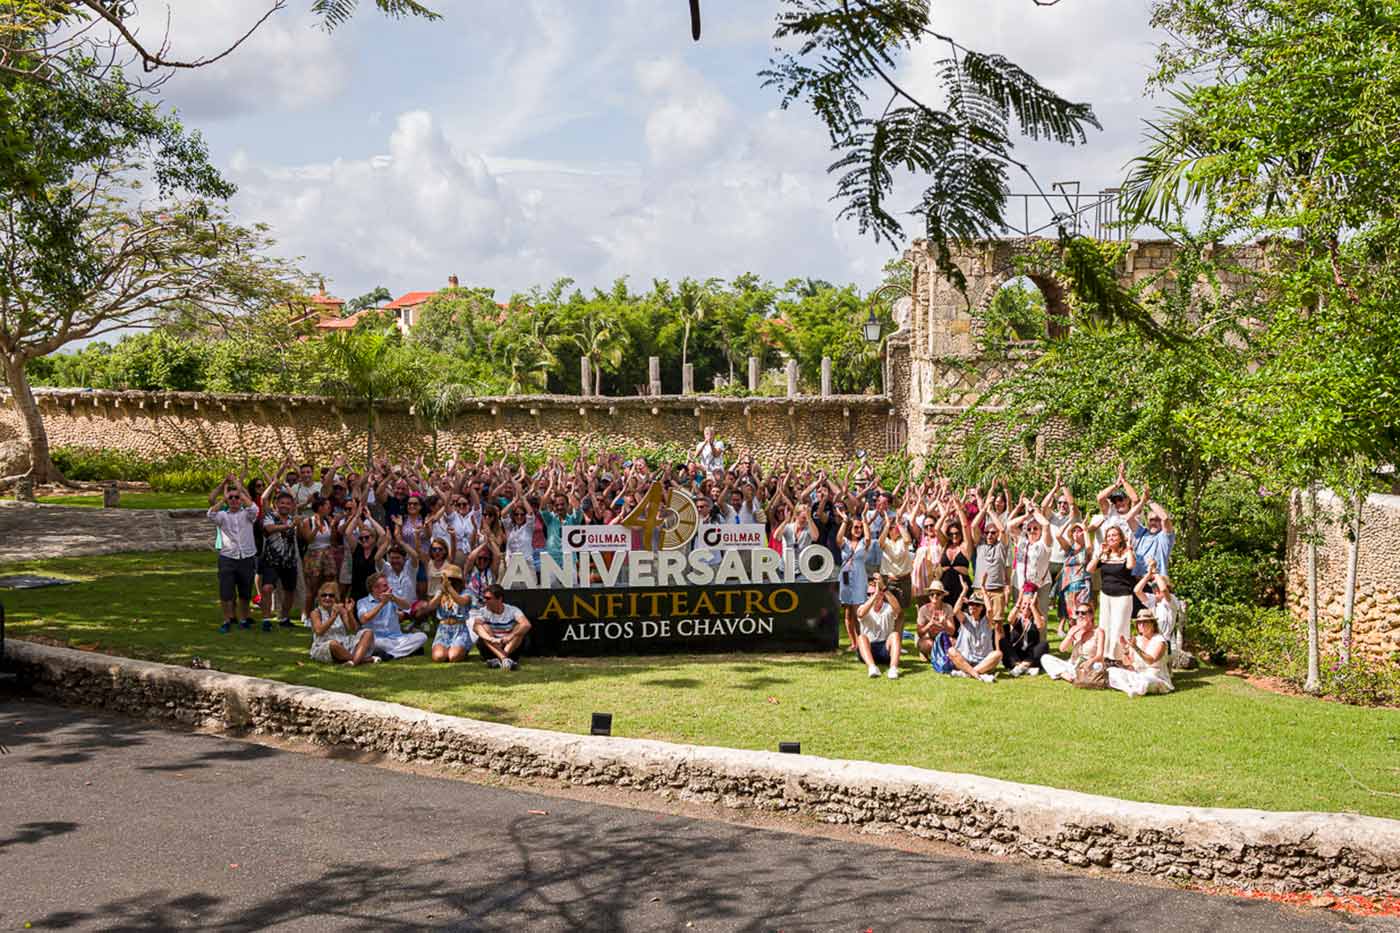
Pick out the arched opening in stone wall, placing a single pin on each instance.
(1025, 309)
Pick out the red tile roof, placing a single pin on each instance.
(340, 323)
(408, 301)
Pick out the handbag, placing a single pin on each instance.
(1091, 675)
(938, 654)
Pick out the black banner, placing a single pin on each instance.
(658, 620)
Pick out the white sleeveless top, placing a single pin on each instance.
(878, 623)
(1160, 668)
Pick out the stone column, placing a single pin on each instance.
(654, 374)
(110, 496)
(826, 376)
(585, 375)
(753, 374)
(24, 489)
(688, 379)
(792, 378)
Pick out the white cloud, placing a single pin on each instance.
(690, 117)
(288, 63)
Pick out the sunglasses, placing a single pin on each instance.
(328, 596)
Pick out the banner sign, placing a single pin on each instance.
(596, 538)
(731, 537)
(655, 620)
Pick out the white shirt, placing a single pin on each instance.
(304, 492)
(462, 528)
(1057, 524)
(237, 529)
(879, 623)
(1032, 561)
(710, 454)
(520, 538)
(404, 584)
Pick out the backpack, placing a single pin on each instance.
(1091, 675)
(938, 654)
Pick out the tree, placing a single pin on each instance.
(1284, 122)
(693, 300)
(80, 257)
(41, 40)
(370, 299)
(828, 322)
(593, 328)
(839, 50)
(363, 365)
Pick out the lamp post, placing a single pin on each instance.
(871, 328)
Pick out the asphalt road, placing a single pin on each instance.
(111, 824)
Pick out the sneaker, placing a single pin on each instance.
(1017, 671)
(267, 626)
(957, 673)
(286, 623)
(893, 673)
(494, 663)
(225, 627)
(508, 665)
(988, 678)
(257, 599)
(874, 671)
(1032, 672)
(246, 624)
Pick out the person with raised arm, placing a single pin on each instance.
(1146, 660)
(974, 653)
(935, 628)
(234, 514)
(991, 570)
(881, 634)
(1085, 641)
(456, 632)
(1033, 557)
(853, 541)
(1114, 562)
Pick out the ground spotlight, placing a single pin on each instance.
(790, 748)
(602, 724)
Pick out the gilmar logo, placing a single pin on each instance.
(732, 537)
(597, 538)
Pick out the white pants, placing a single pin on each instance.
(1116, 620)
(399, 646)
(1137, 683)
(1057, 667)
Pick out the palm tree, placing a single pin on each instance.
(362, 365)
(600, 339)
(694, 300)
(527, 358)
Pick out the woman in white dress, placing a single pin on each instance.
(336, 635)
(1151, 671)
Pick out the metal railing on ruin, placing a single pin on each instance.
(1093, 214)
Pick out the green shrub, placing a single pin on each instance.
(96, 464)
(1361, 680)
(1229, 578)
(1256, 637)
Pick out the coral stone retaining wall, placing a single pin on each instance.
(157, 424)
(1281, 851)
(1375, 628)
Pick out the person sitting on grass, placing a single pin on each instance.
(379, 612)
(881, 628)
(501, 630)
(1022, 646)
(455, 634)
(1151, 671)
(1085, 643)
(935, 628)
(278, 566)
(336, 635)
(1154, 591)
(402, 574)
(974, 653)
(234, 514)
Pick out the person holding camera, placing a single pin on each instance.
(881, 633)
(235, 517)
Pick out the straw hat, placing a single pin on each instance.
(452, 571)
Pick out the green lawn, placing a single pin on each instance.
(1215, 742)
(136, 500)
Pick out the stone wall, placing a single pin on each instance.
(1280, 851)
(157, 424)
(1376, 621)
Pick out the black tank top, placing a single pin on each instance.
(1117, 578)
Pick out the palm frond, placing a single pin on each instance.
(336, 13)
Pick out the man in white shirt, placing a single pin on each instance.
(306, 487)
(234, 514)
(501, 630)
(1033, 559)
(710, 452)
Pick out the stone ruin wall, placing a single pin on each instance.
(159, 424)
(1375, 629)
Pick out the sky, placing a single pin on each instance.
(514, 142)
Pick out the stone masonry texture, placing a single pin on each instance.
(1343, 853)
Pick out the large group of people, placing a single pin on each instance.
(378, 562)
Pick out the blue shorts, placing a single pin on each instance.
(880, 652)
(454, 635)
